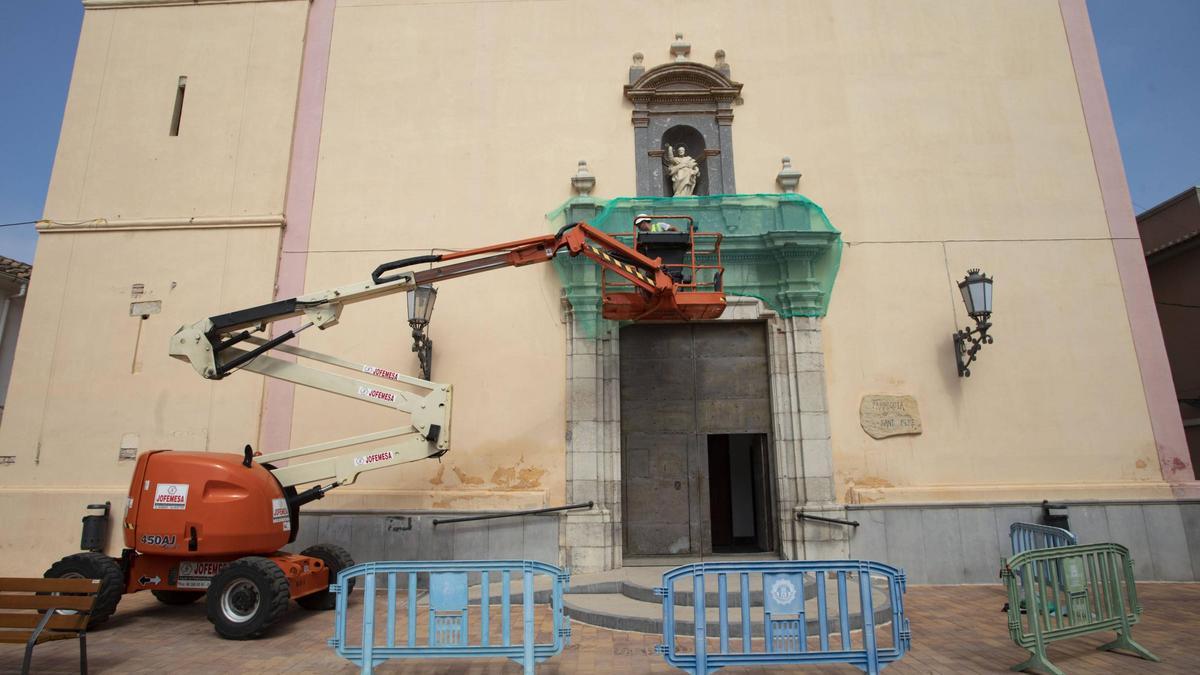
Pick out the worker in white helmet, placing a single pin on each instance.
(645, 223)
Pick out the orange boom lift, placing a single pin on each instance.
(201, 523)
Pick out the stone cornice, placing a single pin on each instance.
(133, 224)
(778, 248)
(678, 83)
(126, 4)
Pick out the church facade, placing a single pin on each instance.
(857, 158)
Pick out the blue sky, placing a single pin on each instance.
(1150, 55)
(1148, 49)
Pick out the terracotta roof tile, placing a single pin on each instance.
(15, 269)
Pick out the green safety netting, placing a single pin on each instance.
(779, 248)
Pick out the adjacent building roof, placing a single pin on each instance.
(15, 269)
(1171, 223)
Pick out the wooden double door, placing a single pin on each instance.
(696, 473)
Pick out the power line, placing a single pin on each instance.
(24, 222)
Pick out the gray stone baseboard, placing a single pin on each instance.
(964, 543)
(410, 535)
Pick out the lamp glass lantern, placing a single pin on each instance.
(976, 289)
(420, 305)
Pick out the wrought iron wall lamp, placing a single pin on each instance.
(420, 308)
(976, 289)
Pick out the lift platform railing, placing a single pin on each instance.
(445, 619)
(698, 270)
(804, 604)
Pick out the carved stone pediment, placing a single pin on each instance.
(688, 106)
(681, 84)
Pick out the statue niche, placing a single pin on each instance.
(683, 104)
(683, 160)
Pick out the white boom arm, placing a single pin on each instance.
(209, 346)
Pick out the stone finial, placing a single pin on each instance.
(680, 49)
(637, 69)
(788, 178)
(583, 181)
(720, 64)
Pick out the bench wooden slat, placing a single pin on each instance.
(30, 620)
(10, 584)
(82, 602)
(20, 637)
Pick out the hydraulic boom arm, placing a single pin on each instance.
(222, 344)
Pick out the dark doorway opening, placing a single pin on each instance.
(682, 385)
(738, 489)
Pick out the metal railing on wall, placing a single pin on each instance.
(512, 514)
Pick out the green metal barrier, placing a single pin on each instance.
(1068, 592)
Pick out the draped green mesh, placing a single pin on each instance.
(779, 248)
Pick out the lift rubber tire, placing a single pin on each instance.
(336, 559)
(92, 565)
(177, 597)
(246, 597)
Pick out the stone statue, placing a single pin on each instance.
(683, 171)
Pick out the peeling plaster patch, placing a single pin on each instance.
(680, 545)
(1141, 464)
(145, 308)
(442, 504)
(437, 479)
(510, 478)
(467, 479)
(129, 447)
(854, 488)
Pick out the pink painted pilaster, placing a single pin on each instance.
(1127, 247)
(276, 431)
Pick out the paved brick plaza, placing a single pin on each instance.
(956, 629)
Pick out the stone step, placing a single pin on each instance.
(641, 587)
(638, 583)
(622, 612)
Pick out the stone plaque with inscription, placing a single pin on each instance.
(882, 415)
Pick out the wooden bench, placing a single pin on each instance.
(33, 611)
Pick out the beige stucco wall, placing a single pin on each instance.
(936, 135)
(115, 158)
(88, 377)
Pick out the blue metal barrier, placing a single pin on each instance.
(1030, 537)
(1033, 537)
(794, 630)
(448, 611)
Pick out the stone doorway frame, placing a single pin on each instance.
(592, 541)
